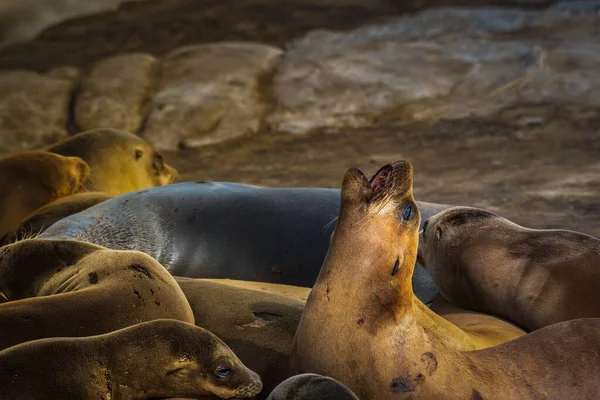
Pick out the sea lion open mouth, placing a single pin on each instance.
(381, 181)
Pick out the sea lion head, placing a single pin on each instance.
(120, 161)
(311, 386)
(377, 231)
(33, 179)
(192, 362)
(450, 240)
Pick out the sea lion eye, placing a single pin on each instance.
(138, 154)
(223, 372)
(407, 214)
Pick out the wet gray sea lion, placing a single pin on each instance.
(224, 230)
(311, 387)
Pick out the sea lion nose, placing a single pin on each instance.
(425, 227)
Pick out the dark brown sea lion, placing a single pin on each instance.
(158, 359)
(532, 277)
(33, 179)
(120, 161)
(258, 326)
(363, 326)
(311, 387)
(54, 288)
(42, 218)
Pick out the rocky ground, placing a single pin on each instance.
(495, 108)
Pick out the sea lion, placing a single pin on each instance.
(158, 359)
(52, 288)
(280, 235)
(33, 179)
(361, 324)
(311, 387)
(120, 161)
(532, 277)
(258, 326)
(42, 218)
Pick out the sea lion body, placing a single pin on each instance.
(120, 161)
(311, 387)
(532, 277)
(42, 218)
(159, 359)
(33, 179)
(363, 327)
(258, 326)
(224, 230)
(56, 288)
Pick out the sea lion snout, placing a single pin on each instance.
(392, 179)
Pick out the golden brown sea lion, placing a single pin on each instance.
(121, 162)
(54, 288)
(42, 218)
(532, 277)
(33, 179)
(258, 326)
(311, 387)
(362, 323)
(158, 359)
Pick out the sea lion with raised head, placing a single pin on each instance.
(311, 387)
(280, 235)
(42, 218)
(120, 161)
(258, 326)
(533, 277)
(363, 326)
(53, 288)
(33, 179)
(159, 359)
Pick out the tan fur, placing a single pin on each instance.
(363, 327)
(121, 162)
(54, 288)
(33, 179)
(292, 292)
(158, 359)
(259, 326)
(41, 219)
(534, 278)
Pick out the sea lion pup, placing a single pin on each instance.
(158, 359)
(33, 179)
(42, 218)
(362, 324)
(258, 326)
(311, 387)
(120, 161)
(532, 277)
(280, 235)
(54, 288)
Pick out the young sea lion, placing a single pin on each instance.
(120, 161)
(53, 288)
(42, 218)
(362, 323)
(258, 326)
(33, 179)
(311, 387)
(158, 359)
(532, 277)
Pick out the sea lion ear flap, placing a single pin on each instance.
(355, 186)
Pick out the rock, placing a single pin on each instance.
(115, 93)
(209, 93)
(34, 108)
(441, 63)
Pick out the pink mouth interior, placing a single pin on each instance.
(381, 180)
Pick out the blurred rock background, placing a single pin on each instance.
(494, 102)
